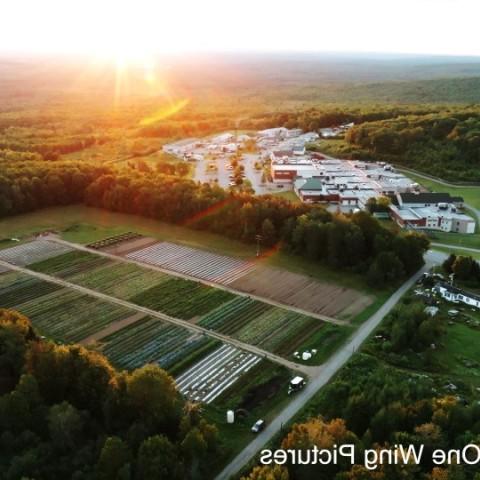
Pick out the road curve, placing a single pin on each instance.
(330, 368)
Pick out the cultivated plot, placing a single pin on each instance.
(275, 329)
(151, 341)
(303, 292)
(207, 379)
(190, 261)
(31, 252)
(165, 293)
(56, 312)
(122, 280)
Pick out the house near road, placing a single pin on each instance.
(457, 295)
(431, 211)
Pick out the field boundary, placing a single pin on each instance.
(176, 321)
(269, 301)
(112, 328)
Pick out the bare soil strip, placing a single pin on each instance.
(300, 291)
(112, 328)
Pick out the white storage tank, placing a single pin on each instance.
(230, 416)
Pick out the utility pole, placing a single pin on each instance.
(258, 238)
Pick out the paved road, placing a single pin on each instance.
(330, 368)
(220, 286)
(311, 371)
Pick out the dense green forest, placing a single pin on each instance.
(66, 413)
(445, 144)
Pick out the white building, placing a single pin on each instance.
(457, 295)
(181, 147)
(432, 211)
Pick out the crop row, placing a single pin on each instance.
(121, 280)
(69, 264)
(70, 317)
(273, 328)
(194, 262)
(150, 340)
(31, 252)
(217, 372)
(182, 298)
(17, 288)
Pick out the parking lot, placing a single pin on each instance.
(222, 162)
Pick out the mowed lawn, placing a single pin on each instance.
(80, 224)
(460, 355)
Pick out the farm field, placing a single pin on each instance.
(176, 297)
(31, 252)
(122, 280)
(303, 292)
(58, 313)
(272, 328)
(210, 377)
(190, 261)
(151, 341)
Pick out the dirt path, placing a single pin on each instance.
(112, 328)
(176, 321)
(235, 291)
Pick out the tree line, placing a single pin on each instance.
(465, 269)
(65, 412)
(356, 242)
(445, 144)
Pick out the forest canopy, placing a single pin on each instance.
(65, 412)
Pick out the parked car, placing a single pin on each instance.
(258, 426)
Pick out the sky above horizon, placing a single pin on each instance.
(141, 28)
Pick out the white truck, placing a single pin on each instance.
(296, 384)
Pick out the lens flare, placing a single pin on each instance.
(165, 112)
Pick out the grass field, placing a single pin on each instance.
(460, 353)
(456, 239)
